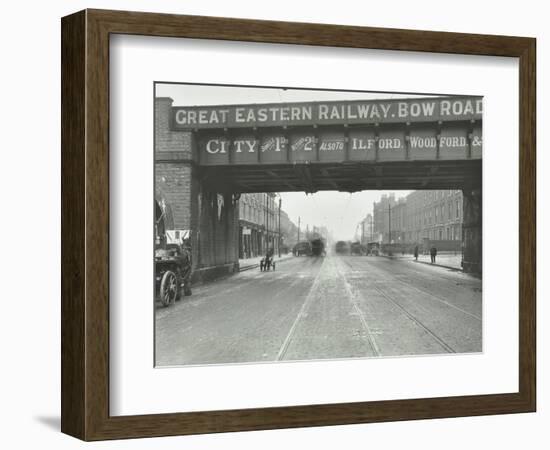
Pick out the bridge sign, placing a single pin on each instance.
(327, 113)
(437, 128)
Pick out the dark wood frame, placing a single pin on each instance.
(85, 224)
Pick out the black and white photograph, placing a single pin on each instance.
(301, 224)
(275, 225)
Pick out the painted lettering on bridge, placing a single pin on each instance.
(445, 109)
(457, 141)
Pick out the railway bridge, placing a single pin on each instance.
(206, 156)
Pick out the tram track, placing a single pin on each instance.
(417, 322)
(352, 298)
(331, 265)
(406, 312)
(301, 314)
(424, 291)
(327, 308)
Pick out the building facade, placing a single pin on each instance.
(428, 214)
(367, 230)
(259, 228)
(435, 215)
(398, 216)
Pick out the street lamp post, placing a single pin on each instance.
(279, 228)
(266, 239)
(389, 224)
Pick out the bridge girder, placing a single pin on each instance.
(344, 177)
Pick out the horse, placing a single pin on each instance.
(266, 263)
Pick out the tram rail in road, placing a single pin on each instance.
(323, 308)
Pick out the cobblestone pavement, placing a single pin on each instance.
(323, 308)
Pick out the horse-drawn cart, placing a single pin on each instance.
(267, 262)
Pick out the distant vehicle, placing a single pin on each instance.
(318, 247)
(357, 249)
(373, 248)
(172, 273)
(302, 248)
(342, 248)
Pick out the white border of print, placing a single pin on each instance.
(136, 387)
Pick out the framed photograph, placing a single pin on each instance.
(273, 225)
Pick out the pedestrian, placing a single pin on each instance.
(433, 253)
(416, 252)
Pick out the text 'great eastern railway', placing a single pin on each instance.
(328, 113)
(444, 128)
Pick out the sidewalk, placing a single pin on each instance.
(447, 260)
(251, 263)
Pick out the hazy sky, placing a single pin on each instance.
(340, 212)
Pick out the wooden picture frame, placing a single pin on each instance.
(85, 224)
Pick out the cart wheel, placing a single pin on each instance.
(168, 288)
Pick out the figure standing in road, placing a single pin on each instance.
(416, 252)
(433, 253)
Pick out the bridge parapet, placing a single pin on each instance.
(355, 131)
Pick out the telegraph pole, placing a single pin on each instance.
(389, 223)
(279, 231)
(298, 228)
(266, 249)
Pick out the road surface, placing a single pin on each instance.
(323, 308)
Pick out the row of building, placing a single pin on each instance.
(264, 225)
(435, 215)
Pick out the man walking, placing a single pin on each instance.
(433, 253)
(416, 252)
